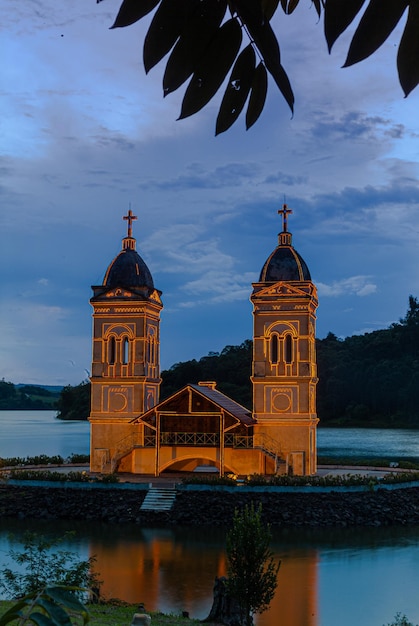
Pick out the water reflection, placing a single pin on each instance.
(326, 577)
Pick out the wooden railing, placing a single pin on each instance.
(262, 441)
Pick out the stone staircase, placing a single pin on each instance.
(159, 499)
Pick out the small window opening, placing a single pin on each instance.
(288, 349)
(125, 351)
(111, 350)
(274, 349)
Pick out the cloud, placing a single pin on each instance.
(228, 175)
(355, 285)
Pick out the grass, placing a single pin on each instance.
(120, 614)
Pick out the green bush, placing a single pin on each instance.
(60, 477)
(251, 568)
(78, 458)
(41, 459)
(41, 564)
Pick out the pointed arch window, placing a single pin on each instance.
(111, 351)
(288, 349)
(274, 349)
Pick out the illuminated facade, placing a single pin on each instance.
(284, 356)
(132, 431)
(126, 347)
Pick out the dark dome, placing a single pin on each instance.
(128, 270)
(284, 264)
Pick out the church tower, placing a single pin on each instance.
(126, 345)
(284, 356)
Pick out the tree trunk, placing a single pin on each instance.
(225, 610)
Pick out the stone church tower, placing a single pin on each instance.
(284, 358)
(126, 346)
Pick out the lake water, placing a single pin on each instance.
(327, 578)
(28, 433)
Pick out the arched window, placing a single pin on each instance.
(274, 349)
(288, 349)
(125, 350)
(111, 350)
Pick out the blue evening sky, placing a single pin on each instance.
(85, 134)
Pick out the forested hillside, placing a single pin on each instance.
(364, 380)
(26, 397)
(371, 379)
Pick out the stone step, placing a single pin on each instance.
(159, 499)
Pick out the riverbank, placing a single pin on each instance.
(213, 507)
(109, 614)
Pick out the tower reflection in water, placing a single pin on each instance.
(173, 570)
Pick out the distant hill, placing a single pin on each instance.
(369, 380)
(28, 397)
(52, 388)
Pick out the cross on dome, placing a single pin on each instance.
(130, 217)
(285, 211)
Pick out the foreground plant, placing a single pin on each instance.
(41, 565)
(209, 39)
(50, 606)
(251, 568)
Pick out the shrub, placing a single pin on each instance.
(251, 569)
(42, 564)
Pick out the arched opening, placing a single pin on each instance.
(125, 350)
(111, 351)
(274, 349)
(288, 349)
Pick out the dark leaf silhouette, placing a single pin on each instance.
(257, 95)
(237, 90)
(262, 34)
(408, 55)
(169, 22)
(203, 49)
(269, 7)
(203, 25)
(213, 68)
(338, 14)
(131, 11)
(379, 20)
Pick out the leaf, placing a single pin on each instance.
(267, 44)
(408, 54)
(378, 21)
(257, 95)
(12, 614)
(213, 68)
(237, 89)
(292, 5)
(169, 22)
(57, 614)
(318, 7)
(66, 598)
(269, 7)
(133, 10)
(338, 14)
(202, 27)
(42, 620)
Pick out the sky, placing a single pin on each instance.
(86, 134)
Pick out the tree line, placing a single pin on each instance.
(26, 397)
(364, 380)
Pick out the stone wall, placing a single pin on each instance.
(213, 508)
